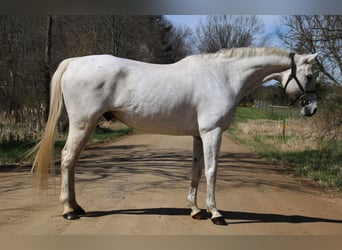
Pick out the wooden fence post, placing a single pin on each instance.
(284, 127)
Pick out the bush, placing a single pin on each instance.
(327, 123)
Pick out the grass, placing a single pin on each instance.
(11, 153)
(298, 152)
(243, 114)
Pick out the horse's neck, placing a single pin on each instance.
(251, 72)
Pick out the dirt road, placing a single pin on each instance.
(138, 185)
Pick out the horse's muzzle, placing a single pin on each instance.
(309, 110)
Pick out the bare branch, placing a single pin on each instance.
(225, 31)
(321, 34)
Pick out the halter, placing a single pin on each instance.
(293, 75)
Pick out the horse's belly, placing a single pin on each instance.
(159, 124)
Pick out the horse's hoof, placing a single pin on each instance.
(219, 221)
(74, 215)
(71, 216)
(199, 216)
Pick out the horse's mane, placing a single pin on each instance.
(248, 52)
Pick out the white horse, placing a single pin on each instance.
(196, 96)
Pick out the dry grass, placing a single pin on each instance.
(299, 133)
(307, 149)
(16, 140)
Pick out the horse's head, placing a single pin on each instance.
(298, 82)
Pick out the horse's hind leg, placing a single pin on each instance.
(197, 167)
(77, 139)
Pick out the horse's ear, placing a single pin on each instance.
(275, 76)
(311, 58)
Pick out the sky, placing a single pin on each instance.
(270, 22)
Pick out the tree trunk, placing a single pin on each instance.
(14, 105)
(115, 35)
(47, 64)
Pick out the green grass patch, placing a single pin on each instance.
(243, 114)
(15, 151)
(105, 134)
(323, 165)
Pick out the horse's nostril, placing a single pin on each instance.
(309, 77)
(311, 113)
(314, 111)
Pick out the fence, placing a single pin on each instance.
(267, 106)
(264, 105)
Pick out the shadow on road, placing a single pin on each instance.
(233, 217)
(236, 170)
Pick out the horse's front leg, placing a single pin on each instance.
(211, 147)
(197, 167)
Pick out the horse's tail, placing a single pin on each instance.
(44, 160)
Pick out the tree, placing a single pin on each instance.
(181, 40)
(227, 31)
(10, 33)
(47, 63)
(316, 34)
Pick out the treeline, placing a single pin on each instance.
(31, 47)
